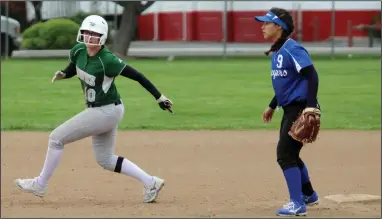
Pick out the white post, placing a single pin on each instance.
(333, 30)
(299, 22)
(115, 25)
(224, 27)
(156, 21)
(184, 25)
(7, 28)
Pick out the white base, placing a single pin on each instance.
(352, 198)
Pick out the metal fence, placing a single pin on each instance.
(232, 36)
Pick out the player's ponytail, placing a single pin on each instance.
(287, 18)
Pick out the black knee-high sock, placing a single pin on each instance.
(307, 188)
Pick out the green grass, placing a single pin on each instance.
(207, 94)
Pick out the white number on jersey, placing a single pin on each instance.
(279, 61)
(90, 95)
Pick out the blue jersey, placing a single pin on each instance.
(289, 85)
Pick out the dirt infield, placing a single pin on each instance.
(208, 174)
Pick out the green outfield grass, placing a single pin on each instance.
(207, 94)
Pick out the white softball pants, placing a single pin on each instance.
(101, 123)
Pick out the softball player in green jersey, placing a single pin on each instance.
(96, 68)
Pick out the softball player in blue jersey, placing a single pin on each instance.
(295, 83)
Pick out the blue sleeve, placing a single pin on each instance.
(300, 57)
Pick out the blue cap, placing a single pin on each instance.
(271, 17)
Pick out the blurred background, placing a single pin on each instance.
(186, 28)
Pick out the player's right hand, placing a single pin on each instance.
(58, 75)
(268, 114)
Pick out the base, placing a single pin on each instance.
(353, 198)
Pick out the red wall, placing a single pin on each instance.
(207, 26)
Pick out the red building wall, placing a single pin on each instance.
(207, 26)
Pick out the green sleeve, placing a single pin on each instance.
(75, 51)
(114, 66)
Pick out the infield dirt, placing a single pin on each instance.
(207, 173)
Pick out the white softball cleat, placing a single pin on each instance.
(151, 192)
(31, 186)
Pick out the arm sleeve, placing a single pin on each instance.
(114, 66)
(300, 57)
(135, 75)
(311, 74)
(273, 103)
(70, 70)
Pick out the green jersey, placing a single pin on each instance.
(97, 74)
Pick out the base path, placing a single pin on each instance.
(208, 174)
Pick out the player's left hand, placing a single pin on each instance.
(164, 103)
(307, 126)
(58, 75)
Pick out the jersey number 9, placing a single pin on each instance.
(279, 61)
(90, 94)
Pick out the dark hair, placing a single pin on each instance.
(287, 18)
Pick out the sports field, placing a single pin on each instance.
(216, 154)
(213, 94)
